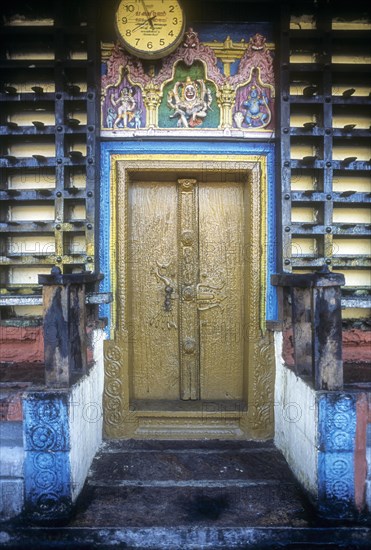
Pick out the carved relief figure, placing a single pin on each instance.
(125, 105)
(193, 87)
(254, 83)
(110, 117)
(257, 112)
(190, 101)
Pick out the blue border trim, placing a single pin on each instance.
(47, 455)
(336, 436)
(186, 148)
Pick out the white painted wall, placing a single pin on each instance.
(86, 415)
(296, 422)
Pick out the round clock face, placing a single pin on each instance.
(150, 28)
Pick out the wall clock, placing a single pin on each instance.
(150, 29)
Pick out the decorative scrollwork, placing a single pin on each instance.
(112, 353)
(43, 437)
(48, 487)
(45, 479)
(44, 461)
(113, 386)
(337, 432)
(340, 489)
(47, 411)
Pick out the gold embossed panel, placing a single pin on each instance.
(153, 266)
(221, 302)
(186, 289)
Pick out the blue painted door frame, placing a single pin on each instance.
(197, 148)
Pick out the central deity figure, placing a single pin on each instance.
(190, 101)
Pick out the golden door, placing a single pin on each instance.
(186, 303)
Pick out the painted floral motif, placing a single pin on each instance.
(46, 465)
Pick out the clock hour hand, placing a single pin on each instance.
(150, 20)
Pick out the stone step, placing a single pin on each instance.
(11, 449)
(190, 495)
(173, 506)
(184, 464)
(186, 538)
(172, 483)
(11, 469)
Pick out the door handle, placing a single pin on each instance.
(168, 292)
(169, 288)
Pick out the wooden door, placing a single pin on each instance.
(186, 290)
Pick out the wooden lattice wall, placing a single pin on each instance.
(49, 161)
(324, 141)
(49, 97)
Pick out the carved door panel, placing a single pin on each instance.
(153, 332)
(186, 301)
(222, 267)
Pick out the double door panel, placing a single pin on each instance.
(186, 303)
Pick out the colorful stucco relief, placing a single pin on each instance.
(222, 86)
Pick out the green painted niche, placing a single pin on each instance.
(195, 75)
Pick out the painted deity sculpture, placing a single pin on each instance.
(194, 87)
(190, 101)
(126, 107)
(256, 106)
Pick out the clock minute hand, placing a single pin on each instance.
(140, 25)
(147, 14)
(144, 23)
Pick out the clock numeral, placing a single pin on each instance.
(162, 42)
(175, 21)
(124, 20)
(129, 7)
(171, 9)
(171, 33)
(149, 45)
(137, 40)
(128, 32)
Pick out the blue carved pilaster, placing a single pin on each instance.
(47, 456)
(336, 433)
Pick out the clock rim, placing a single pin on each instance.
(146, 54)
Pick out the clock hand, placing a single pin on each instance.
(147, 14)
(145, 9)
(140, 25)
(144, 22)
(150, 19)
